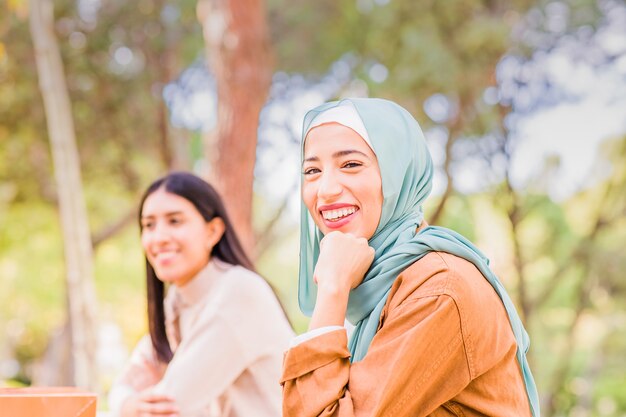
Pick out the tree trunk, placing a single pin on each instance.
(77, 243)
(238, 50)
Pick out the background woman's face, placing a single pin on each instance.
(342, 187)
(174, 236)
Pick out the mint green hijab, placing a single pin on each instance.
(406, 170)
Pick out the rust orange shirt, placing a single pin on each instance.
(444, 347)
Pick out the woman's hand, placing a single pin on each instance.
(343, 261)
(341, 266)
(147, 404)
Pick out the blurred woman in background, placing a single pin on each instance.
(216, 339)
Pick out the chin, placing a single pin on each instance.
(167, 277)
(166, 280)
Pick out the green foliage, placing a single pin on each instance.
(116, 63)
(427, 47)
(120, 282)
(31, 302)
(457, 216)
(278, 267)
(116, 66)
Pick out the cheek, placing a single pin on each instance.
(308, 197)
(199, 254)
(375, 196)
(379, 195)
(145, 241)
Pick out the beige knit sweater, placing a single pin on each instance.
(228, 334)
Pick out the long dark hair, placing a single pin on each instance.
(209, 204)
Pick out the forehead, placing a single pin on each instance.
(163, 202)
(331, 137)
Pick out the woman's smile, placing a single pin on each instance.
(336, 216)
(342, 187)
(165, 257)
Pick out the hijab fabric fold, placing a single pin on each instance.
(406, 172)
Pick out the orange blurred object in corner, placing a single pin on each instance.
(47, 402)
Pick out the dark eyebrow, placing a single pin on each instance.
(337, 154)
(168, 214)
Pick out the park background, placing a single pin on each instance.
(523, 104)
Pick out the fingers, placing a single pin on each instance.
(151, 397)
(346, 243)
(342, 237)
(157, 409)
(343, 261)
(157, 405)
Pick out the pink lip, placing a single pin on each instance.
(334, 206)
(163, 262)
(339, 223)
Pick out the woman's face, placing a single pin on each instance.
(175, 237)
(342, 187)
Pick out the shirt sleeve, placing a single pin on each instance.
(311, 334)
(415, 363)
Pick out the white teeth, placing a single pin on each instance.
(164, 254)
(336, 214)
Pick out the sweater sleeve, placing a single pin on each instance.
(416, 362)
(206, 363)
(142, 371)
(231, 332)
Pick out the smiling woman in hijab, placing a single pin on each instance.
(436, 333)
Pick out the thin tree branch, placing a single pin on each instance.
(579, 251)
(112, 229)
(268, 235)
(455, 128)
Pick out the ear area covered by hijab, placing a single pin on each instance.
(406, 171)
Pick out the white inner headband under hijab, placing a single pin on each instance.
(345, 114)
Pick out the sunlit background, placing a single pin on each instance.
(523, 104)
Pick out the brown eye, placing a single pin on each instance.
(147, 225)
(310, 171)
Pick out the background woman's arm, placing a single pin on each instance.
(142, 371)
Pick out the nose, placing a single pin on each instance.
(159, 233)
(329, 186)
